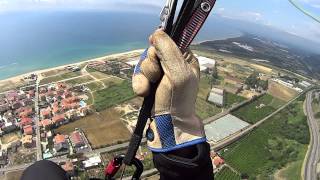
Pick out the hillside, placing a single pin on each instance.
(266, 51)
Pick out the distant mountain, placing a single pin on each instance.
(265, 50)
(264, 31)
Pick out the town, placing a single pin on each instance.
(58, 115)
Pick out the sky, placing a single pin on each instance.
(279, 14)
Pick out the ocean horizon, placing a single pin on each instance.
(32, 41)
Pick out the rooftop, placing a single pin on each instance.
(59, 139)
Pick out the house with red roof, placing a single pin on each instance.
(59, 119)
(31, 94)
(47, 124)
(28, 130)
(77, 140)
(45, 113)
(60, 143)
(55, 109)
(25, 122)
(26, 112)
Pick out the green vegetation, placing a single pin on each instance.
(204, 86)
(80, 80)
(272, 146)
(113, 95)
(226, 174)
(253, 81)
(94, 86)
(316, 108)
(60, 77)
(204, 109)
(258, 109)
(232, 99)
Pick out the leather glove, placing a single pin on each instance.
(174, 124)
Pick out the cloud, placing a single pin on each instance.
(312, 3)
(242, 15)
(17, 5)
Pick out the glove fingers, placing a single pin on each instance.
(193, 63)
(140, 83)
(150, 67)
(170, 56)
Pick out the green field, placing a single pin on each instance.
(113, 95)
(275, 144)
(80, 80)
(226, 174)
(258, 109)
(60, 77)
(94, 86)
(204, 109)
(232, 99)
(316, 108)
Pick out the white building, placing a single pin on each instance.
(206, 63)
(92, 162)
(304, 84)
(216, 96)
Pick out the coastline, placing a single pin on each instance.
(19, 77)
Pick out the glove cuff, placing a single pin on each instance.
(165, 134)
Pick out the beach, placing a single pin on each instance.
(18, 79)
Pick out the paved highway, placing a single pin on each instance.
(37, 118)
(310, 169)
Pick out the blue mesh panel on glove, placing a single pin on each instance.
(165, 130)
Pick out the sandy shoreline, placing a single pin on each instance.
(19, 77)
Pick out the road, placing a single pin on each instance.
(312, 158)
(37, 119)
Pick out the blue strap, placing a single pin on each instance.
(137, 69)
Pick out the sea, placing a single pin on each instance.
(32, 41)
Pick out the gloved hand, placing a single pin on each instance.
(174, 125)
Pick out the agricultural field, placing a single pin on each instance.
(56, 78)
(258, 109)
(204, 109)
(11, 137)
(204, 86)
(101, 128)
(80, 80)
(226, 174)
(280, 91)
(232, 99)
(94, 86)
(113, 95)
(16, 175)
(279, 142)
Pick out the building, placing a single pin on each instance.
(59, 119)
(60, 143)
(45, 113)
(305, 84)
(27, 141)
(25, 122)
(217, 161)
(77, 140)
(92, 162)
(216, 97)
(206, 63)
(69, 168)
(28, 130)
(47, 124)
